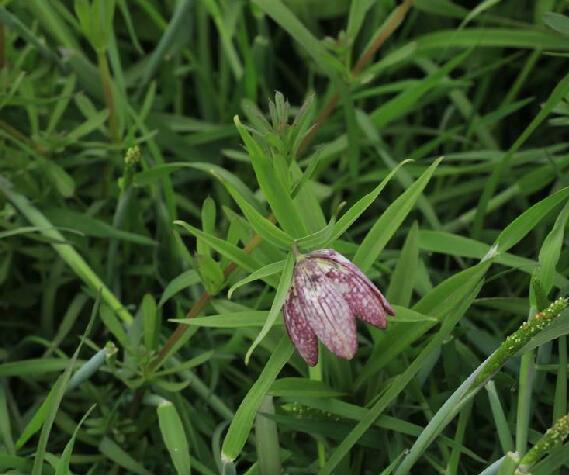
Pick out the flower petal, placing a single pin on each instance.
(362, 300)
(299, 331)
(365, 303)
(346, 263)
(326, 311)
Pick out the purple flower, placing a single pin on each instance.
(327, 293)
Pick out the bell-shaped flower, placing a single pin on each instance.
(327, 293)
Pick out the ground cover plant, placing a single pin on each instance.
(168, 167)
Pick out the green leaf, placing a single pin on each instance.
(278, 197)
(226, 249)
(557, 22)
(460, 246)
(530, 38)
(560, 327)
(63, 181)
(244, 417)
(182, 14)
(302, 387)
(208, 215)
(407, 315)
(356, 17)
(278, 302)
(388, 223)
(114, 325)
(246, 318)
(259, 274)
(403, 277)
(174, 437)
(551, 250)
(524, 223)
(62, 467)
(264, 228)
(210, 271)
(93, 123)
(184, 280)
(318, 239)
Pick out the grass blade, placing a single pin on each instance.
(386, 226)
(174, 437)
(244, 417)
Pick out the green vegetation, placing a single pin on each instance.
(163, 161)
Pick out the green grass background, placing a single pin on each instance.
(128, 189)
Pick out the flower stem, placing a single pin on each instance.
(315, 374)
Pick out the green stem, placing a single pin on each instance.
(500, 419)
(315, 374)
(107, 82)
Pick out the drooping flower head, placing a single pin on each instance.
(327, 293)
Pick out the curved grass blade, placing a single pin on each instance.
(278, 302)
(230, 251)
(244, 319)
(174, 437)
(350, 216)
(244, 417)
(388, 223)
(264, 228)
(262, 273)
(62, 467)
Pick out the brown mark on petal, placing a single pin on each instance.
(299, 331)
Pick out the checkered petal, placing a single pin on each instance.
(299, 331)
(325, 309)
(360, 283)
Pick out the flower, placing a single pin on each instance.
(327, 293)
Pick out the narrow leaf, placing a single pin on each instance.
(388, 223)
(244, 417)
(278, 302)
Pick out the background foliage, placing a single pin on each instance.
(128, 190)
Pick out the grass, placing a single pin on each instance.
(159, 161)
